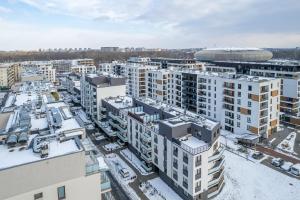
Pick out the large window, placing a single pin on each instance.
(61, 193)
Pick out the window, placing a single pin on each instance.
(61, 193)
(248, 119)
(239, 101)
(239, 86)
(38, 196)
(239, 94)
(249, 104)
(249, 88)
(238, 124)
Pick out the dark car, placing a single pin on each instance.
(257, 155)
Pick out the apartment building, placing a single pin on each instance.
(48, 71)
(158, 83)
(182, 146)
(83, 69)
(288, 71)
(289, 94)
(85, 61)
(242, 104)
(42, 68)
(95, 87)
(167, 63)
(47, 167)
(136, 78)
(9, 74)
(41, 149)
(73, 83)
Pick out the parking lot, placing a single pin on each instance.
(268, 163)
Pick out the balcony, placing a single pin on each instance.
(105, 183)
(217, 155)
(198, 176)
(146, 147)
(146, 167)
(146, 157)
(215, 190)
(219, 165)
(117, 118)
(122, 136)
(217, 178)
(91, 165)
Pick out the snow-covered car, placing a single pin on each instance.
(295, 169)
(124, 172)
(277, 162)
(286, 166)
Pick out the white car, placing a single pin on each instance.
(124, 172)
(286, 166)
(295, 169)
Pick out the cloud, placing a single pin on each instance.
(158, 23)
(4, 10)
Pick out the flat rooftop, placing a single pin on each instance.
(11, 157)
(193, 142)
(120, 102)
(179, 113)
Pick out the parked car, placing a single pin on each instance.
(124, 172)
(295, 169)
(277, 162)
(286, 166)
(257, 155)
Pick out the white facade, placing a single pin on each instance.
(83, 69)
(136, 82)
(243, 104)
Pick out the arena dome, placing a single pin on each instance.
(234, 54)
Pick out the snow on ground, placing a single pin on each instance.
(287, 145)
(116, 164)
(111, 146)
(157, 189)
(137, 163)
(247, 180)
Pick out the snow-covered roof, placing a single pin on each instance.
(193, 142)
(11, 157)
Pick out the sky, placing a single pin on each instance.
(34, 24)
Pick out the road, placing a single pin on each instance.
(117, 191)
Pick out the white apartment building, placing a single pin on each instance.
(286, 70)
(136, 82)
(242, 104)
(182, 146)
(95, 87)
(158, 83)
(84, 61)
(83, 69)
(48, 71)
(9, 74)
(289, 94)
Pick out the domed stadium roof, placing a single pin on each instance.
(234, 54)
